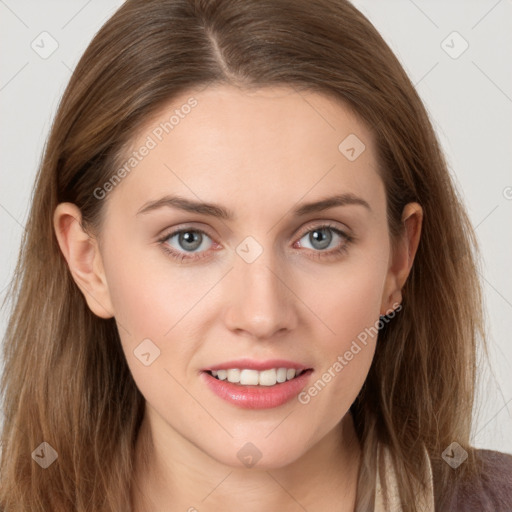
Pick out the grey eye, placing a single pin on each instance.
(320, 238)
(188, 240)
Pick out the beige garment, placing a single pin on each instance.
(425, 499)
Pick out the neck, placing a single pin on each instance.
(174, 475)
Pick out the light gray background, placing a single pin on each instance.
(469, 99)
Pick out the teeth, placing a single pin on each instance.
(234, 375)
(281, 375)
(268, 377)
(248, 377)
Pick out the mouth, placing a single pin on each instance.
(250, 377)
(249, 384)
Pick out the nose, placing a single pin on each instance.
(261, 301)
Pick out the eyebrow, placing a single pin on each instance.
(215, 210)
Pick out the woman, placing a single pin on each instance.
(313, 348)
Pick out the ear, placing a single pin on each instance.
(402, 257)
(81, 252)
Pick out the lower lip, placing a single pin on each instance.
(257, 397)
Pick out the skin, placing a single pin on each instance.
(260, 154)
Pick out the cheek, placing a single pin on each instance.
(346, 301)
(152, 304)
(151, 295)
(160, 310)
(346, 333)
(344, 358)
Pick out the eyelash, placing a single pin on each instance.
(179, 256)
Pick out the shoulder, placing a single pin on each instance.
(490, 490)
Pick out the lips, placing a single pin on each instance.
(264, 394)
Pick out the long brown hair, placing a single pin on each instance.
(66, 381)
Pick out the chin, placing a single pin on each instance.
(258, 453)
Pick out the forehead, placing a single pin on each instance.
(263, 146)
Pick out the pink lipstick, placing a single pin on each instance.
(252, 384)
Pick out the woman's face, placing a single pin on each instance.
(263, 286)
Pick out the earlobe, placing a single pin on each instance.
(402, 257)
(83, 257)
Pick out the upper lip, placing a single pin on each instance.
(254, 364)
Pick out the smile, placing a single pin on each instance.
(248, 377)
(264, 385)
